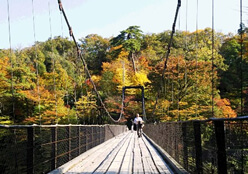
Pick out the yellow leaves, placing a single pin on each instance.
(181, 103)
(115, 48)
(141, 78)
(4, 63)
(165, 118)
(86, 104)
(197, 31)
(123, 54)
(95, 78)
(5, 120)
(123, 71)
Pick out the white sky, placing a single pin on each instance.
(108, 17)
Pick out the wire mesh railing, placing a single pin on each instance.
(41, 149)
(210, 146)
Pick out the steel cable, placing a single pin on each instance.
(196, 58)
(84, 63)
(36, 60)
(167, 54)
(11, 64)
(213, 58)
(241, 57)
(53, 57)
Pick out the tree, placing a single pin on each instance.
(95, 49)
(130, 40)
(87, 109)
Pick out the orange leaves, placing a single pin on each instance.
(143, 62)
(30, 120)
(43, 95)
(106, 66)
(225, 107)
(4, 64)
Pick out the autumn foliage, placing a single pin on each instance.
(47, 83)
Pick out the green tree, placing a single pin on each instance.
(230, 79)
(95, 49)
(130, 40)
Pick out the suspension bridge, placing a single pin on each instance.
(213, 145)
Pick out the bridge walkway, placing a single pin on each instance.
(123, 154)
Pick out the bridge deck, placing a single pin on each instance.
(123, 154)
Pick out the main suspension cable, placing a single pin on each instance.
(241, 57)
(11, 64)
(53, 57)
(66, 81)
(213, 58)
(84, 62)
(196, 58)
(36, 61)
(167, 54)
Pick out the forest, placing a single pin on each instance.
(204, 77)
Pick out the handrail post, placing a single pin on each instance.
(87, 138)
(92, 137)
(30, 150)
(185, 146)
(69, 142)
(221, 146)
(198, 147)
(79, 139)
(54, 148)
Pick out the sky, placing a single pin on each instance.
(37, 20)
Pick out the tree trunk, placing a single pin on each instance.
(131, 55)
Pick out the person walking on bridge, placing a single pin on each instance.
(138, 122)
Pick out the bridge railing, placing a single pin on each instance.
(210, 146)
(40, 149)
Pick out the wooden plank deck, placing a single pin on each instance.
(123, 154)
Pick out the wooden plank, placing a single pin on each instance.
(78, 160)
(106, 156)
(127, 163)
(117, 162)
(149, 166)
(137, 161)
(124, 154)
(92, 161)
(111, 157)
(157, 159)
